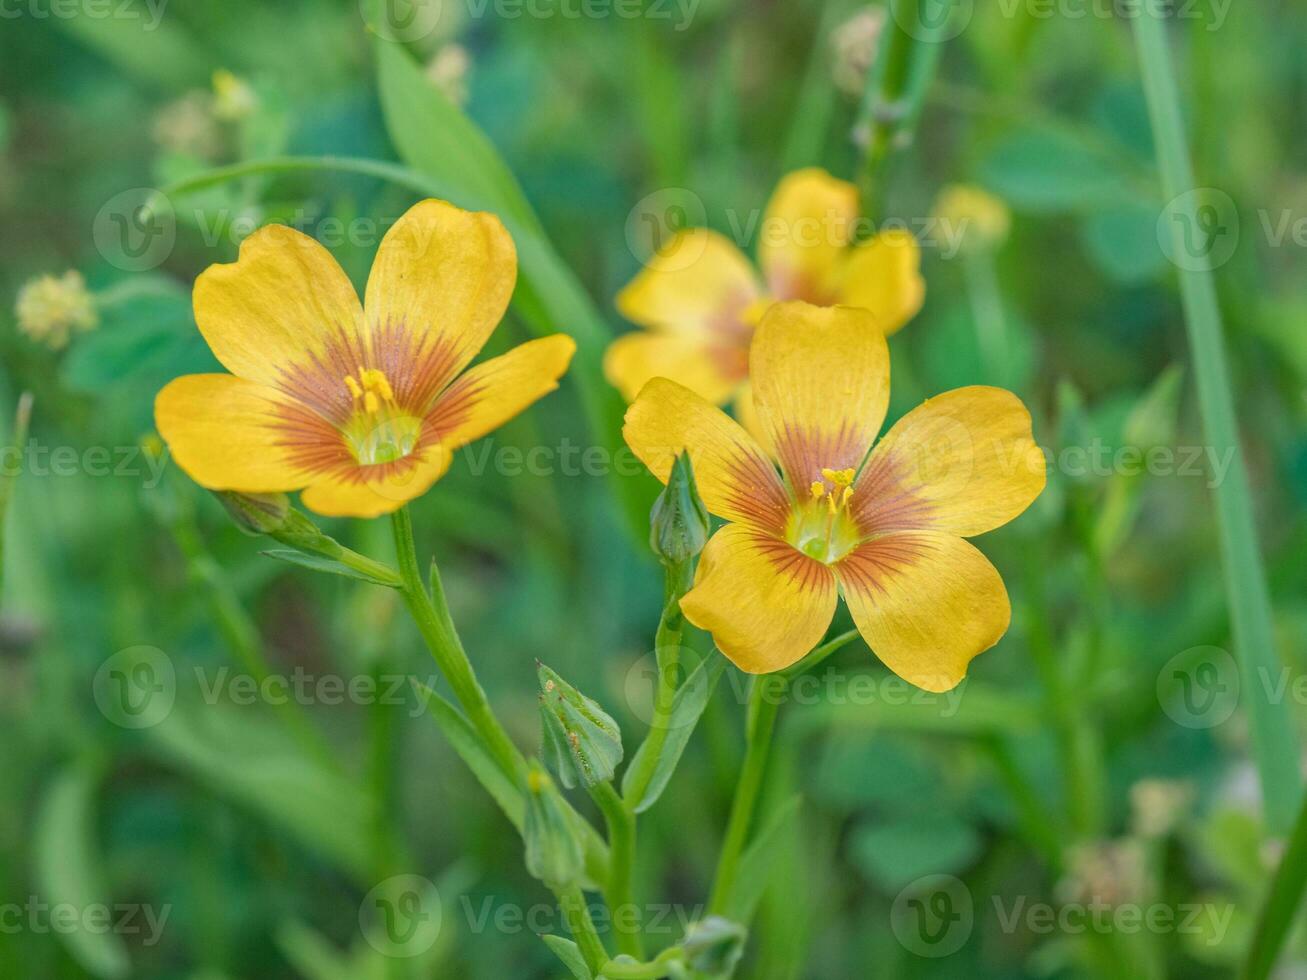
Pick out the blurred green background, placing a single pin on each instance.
(1070, 770)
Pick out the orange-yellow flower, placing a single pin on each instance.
(885, 527)
(699, 299)
(359, 405)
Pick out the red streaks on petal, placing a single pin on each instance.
(887, 497)
(872, 563)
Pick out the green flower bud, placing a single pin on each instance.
(582, 743)
(553, 851)
(714, 946)
(255, 513)
(679, 519)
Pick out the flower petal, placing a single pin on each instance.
(370, 491)
(765, 603)
(495, 391)
(926, 603)
(698, 284)
(820, 386)
(808, 224)
(283, 301)
(228, 433)
(736, 479)
(965, 462)
(443, 276)
(883, 275)
(634, 359)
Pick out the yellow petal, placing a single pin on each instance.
(493, 392)
(808, 224)
(746, 413)
(820, 386)
(370, 491)
(228, 433)
(883, 275)
(283, 301)
(735, 477)
(634, 359)
(926, 603)
(765, 603)
(965, 462)
(698, 284)
(444, 276)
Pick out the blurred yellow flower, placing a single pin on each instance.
(699, 298)
(981, 218)
(233, 99)
(885, 527)
(363, 405)
(51, 308)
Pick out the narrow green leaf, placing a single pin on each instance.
(470, 749)
(434, 138)
(691, 699)
(68, 868)
(22, 418)
(1282, 902)
(329, 565)
(570, 953)
(1275, 742)
(757, 864)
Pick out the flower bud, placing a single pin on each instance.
(714, 946)
(255, 513)
(679, 519)
(582, 743)
(553, 851)
(233, 99)
(50, 309)
(978, 216)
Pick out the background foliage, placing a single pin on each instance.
(251, 824)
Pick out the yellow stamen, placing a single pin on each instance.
(818, 489)
(841, 478)
(355, 391)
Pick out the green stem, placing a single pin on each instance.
(441, 639)
(577, 913)
(1273, 736)
(820, 654)
(667, 648)
(764, 704)
(620, 820)
(655, 969)
(987, 312)
(8, 476)
(1282, 901)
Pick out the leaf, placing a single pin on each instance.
(458, 730)
(570, 953)
(1048, 170)
(253, 761)
(1122, 240)
(320, 564)
(756, 865)
(894, 854)
(691, 699)
(68, 867)
(432, 136)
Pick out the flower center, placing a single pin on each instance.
(378, 431)
(820, 526)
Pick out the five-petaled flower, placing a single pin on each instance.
(359, 405)
(700, 300)
(885, 527)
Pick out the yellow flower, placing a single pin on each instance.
(363, 405)
(700, 300)
(885, 527)
(233, 99)
(982, 219)
(51, 308)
